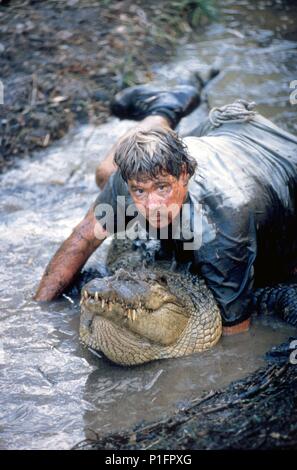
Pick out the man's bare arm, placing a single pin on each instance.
(70, 258)
(239, 328)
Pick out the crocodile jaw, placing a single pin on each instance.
(155, 315)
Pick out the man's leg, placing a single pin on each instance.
(107, 166)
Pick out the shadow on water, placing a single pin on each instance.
(52, 389)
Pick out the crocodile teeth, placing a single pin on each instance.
(129, 314)
(81, 301)
(102, 303)
(133, 314)
(85, 294)
(96, 296)
(109, 307)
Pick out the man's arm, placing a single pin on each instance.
(70, 257)
(239, 328)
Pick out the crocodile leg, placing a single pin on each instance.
(280, 299)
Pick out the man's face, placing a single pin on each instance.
(159, 200)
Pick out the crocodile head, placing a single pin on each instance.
(137, 317)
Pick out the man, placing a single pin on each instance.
(238, 174)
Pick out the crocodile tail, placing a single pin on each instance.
(280, 299)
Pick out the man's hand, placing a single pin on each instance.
(235, 329)
(70, 258)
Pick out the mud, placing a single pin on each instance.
(62, 62)
(258, 412)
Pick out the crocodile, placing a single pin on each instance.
(140, 314)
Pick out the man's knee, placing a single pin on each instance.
(103, 172)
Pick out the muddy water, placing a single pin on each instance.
(53, 391)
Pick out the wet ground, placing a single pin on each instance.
(53, 391)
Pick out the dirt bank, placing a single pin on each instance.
(61, 62)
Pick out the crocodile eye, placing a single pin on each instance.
(163, 280)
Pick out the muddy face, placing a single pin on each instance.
(160, 199)
(142, 304)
